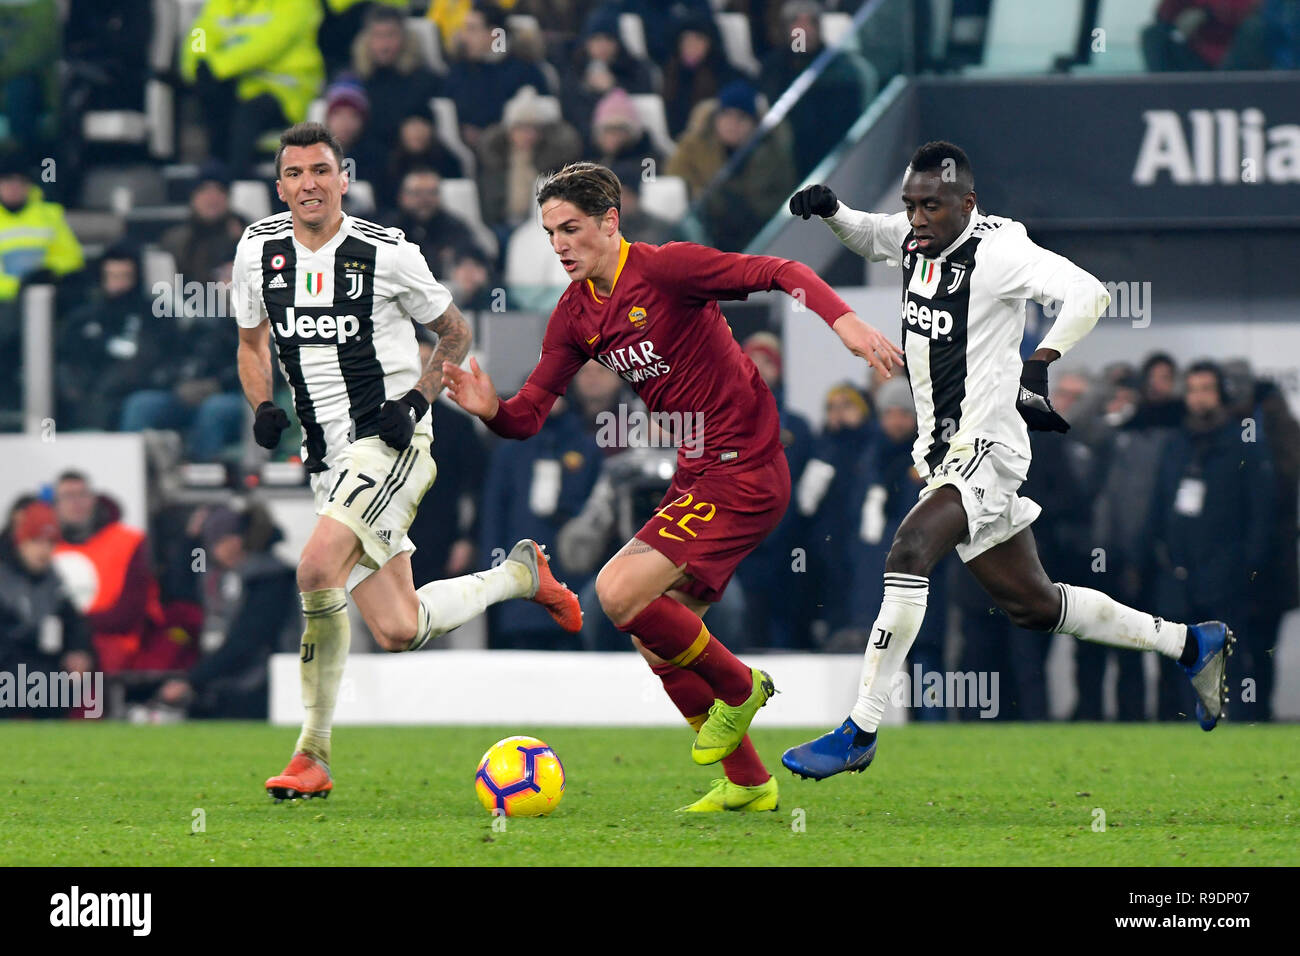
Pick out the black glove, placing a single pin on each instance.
(397, 419)
(815, 200)
(270, 420)
(1033, 404)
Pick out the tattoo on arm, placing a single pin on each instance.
(636, 546)
(453, 345)
(253, 359)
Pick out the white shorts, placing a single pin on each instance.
(375, 490)
(987, 474)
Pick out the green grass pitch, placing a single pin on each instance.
(951, 794)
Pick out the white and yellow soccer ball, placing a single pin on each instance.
(519, 777)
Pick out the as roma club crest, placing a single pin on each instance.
(636, 315)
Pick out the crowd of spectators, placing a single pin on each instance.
(1191, 511)
(182, 620)
(1175, 490)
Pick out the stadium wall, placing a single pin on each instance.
(552, 688)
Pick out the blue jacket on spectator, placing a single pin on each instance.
(884, 489)
(532, 489)
(825, 497)
(1212, 518)
(776, 595)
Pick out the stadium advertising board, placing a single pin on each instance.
(1173, 150)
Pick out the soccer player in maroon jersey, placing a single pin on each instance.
(651, 314)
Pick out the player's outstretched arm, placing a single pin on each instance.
(705, 273)
(254, 359)
(866, 341)
(471, 389)
(872, 235)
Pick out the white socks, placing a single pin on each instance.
(323, 652)
(899, 620)
(1092, 616)
(449, 603)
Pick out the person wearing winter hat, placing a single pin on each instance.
(202, 243)
(485, 72)
(697, 71)
(347, 112)
(34, 234)
(617, 133)
(599, 65)
(39, 625)
(530, 140)
(719, 129)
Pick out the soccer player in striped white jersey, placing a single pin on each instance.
(966, 279)
(339, 295)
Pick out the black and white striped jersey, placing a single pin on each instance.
(341, 319)
(963, 319)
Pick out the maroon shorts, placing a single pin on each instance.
(711, 522)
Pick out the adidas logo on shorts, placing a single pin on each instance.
(385, 536)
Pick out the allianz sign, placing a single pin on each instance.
(1217, 147)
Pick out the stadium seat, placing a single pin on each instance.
(666, 197)
(654, 117)
(187, 12)
(1122, 22)
(95, 227)
(123, 188)
(736, 42)
(154, 127)
(162, 45)
(552, 76)
(530, 261)
(522, 23)
(148, 223)
(361, 198)
(114, 126)
(425, 32)
(249, 199)
(447, 123)
(1027, 36)
(940, 27)
(632, 32)
(835, 27)
(157, 265)
(460, 197)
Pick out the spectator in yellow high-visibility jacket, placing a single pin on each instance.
(34, 235)
(255, 67)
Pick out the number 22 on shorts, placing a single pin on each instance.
(691, 511)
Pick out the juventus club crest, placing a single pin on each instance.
(356, 278)
(958, 270)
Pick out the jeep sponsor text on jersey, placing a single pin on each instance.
(311, 329)
(932, 322)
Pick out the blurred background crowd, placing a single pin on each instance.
(135, 146)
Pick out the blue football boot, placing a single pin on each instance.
(1209, 675)
(830, 754)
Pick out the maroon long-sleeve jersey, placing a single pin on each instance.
(662, 331)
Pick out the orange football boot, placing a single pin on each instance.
(305, 777)
(561, 603)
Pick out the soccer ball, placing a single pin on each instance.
(519, 777)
